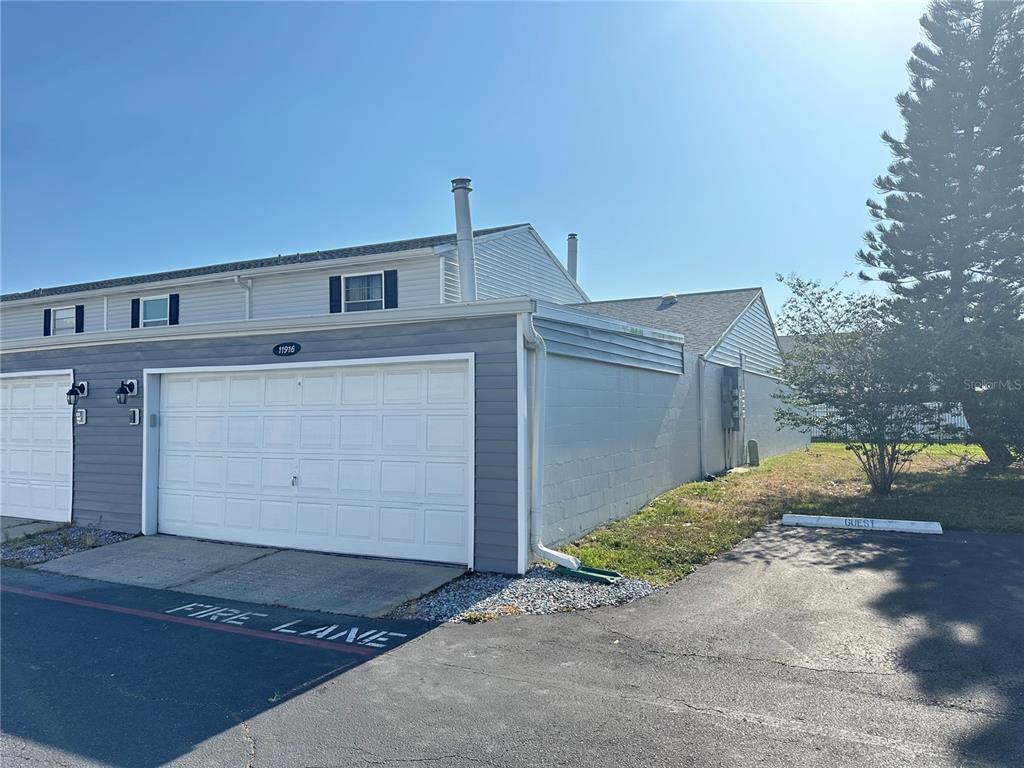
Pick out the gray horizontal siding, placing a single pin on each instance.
(753, 336)
(108, 451)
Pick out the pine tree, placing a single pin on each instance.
(949, 237)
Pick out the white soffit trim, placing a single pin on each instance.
(585, 319)
(862, 523)
(25, 374)
(429, 313)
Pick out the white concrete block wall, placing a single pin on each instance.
(760, 423)
(615, 437)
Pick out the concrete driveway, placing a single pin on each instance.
(357, 586)
(799, 648)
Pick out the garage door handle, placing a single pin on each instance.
(295, 480)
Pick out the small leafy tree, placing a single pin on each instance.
(856, 376)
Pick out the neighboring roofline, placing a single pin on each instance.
(250, 266)
(728, 330)
(278, 326)
(661, 296)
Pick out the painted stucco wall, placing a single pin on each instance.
(760, 421)
(107, 488)
(616, 437)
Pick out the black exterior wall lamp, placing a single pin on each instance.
(128, 388)
(81, 389)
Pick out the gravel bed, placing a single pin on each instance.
(483, 596)
(53, 544)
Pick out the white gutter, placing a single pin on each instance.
(535, 408)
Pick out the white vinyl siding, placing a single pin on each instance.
(26, 322)
(308, 293)
(753, 336)
(514, 263)
(303, 293)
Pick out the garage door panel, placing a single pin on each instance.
(314, 519)
(400, 432)
(277, 516)
(359, 433)
(281, 390)
(319, 389)
(356, 477)
(399, 478)
(241, 512)
(366, 460)
(35, 447)
(316, 432)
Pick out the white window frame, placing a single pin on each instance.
(142, 310)
(344, 300)
(53, 321)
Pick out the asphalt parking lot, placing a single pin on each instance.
(799, 647)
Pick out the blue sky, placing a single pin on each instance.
(692, 146)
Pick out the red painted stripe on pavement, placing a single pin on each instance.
(174, 619)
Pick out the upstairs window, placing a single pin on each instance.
(149, 312)
(364, 292)
(155, 311)
(63, 321)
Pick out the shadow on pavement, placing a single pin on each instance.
(964, 594)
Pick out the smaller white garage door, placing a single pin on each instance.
(360, 459)
(35, 447)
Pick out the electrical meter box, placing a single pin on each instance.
(732, 398)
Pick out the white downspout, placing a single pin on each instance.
(700, 413)
(247, 287)
(535, 397)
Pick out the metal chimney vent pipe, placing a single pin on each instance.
(464, 239)
(573, 248)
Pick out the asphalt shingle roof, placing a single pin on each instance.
(274, 261)
(702, 318)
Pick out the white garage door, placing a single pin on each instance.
(35, 447)
(371, 460)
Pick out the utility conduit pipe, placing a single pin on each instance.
(535, 408)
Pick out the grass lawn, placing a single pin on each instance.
(688, 525)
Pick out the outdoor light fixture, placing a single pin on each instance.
(81, 389)
(128, 388)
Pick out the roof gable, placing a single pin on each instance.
(702, 318)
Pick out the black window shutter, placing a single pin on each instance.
(79, 318)
(172, 309)
(390, 289)
(135, 313)
(46, 322)
(335, 294)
